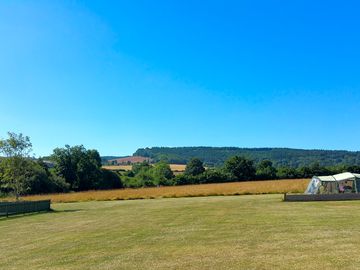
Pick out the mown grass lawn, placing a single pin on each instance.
(231, 232)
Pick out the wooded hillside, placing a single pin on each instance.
(215, 156)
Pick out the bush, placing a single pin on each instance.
(240, 168)
(131, 182)
(108, 180)
(194, 167)
(214, 176)
(265, 170)
(42, 180)
(287, 173)
(162, 174)
(183, 179)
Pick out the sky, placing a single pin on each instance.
(119, 75)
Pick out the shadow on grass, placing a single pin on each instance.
(10, 217)
(51, 211)
(65, 211)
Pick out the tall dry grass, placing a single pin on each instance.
(236, 188)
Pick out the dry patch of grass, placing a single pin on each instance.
(236, 188)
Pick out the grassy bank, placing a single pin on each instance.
(236, 188)
(232, 232)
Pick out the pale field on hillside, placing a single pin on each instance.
(174, 167)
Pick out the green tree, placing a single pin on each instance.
(145, 178)
(15, 167)
(109, 180)
(265, 170)
(316, 169)
(140, 176)
(80, 167)
(214, 175)
(143, 166)
(182, 179)
(240, 168)
(162, 174)
(353, 169)
(65, 164)
(194, 167)
(42, 180)
(305, 172)
(287, 173)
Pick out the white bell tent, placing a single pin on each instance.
(332, 184)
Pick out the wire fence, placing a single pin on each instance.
(23, 207)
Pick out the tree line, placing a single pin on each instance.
(77, 168)
(235, 169)
(74, 169)
(281, 157)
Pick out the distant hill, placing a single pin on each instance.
(105, 159)
(215, 156)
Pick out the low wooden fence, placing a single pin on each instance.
(321, 197)
(23, 207)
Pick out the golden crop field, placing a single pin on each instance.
(235, 188)
(177, 167)
(118, 167)
(174, 167)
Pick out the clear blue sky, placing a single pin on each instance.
(119, 75)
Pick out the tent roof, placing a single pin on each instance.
(339, 177)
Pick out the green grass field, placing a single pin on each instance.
(232, 232)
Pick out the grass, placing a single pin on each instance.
(236, 188)
(232, 232)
